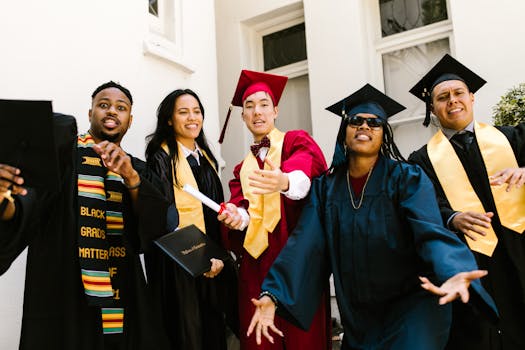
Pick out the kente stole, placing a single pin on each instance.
(497, 155)
(189, 208)
(101, 250)
(264, 210)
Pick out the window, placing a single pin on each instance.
(284, 47)
(401, 15)
(277, 44)
(164, 37)
(414, 35)
(154, 7)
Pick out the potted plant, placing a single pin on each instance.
(510, 110)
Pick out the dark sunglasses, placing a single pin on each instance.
(357, 121)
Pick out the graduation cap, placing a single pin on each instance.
(27, 142)
(365, 100)
(251, 82)
(447, 68)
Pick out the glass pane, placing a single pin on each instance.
(294, 106)
(402, 69)
(284, 47)
(154, 7)
(401, 15)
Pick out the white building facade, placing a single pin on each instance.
(62, 50)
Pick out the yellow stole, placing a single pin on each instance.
(497, 155)
(189, 208)
(264, 210)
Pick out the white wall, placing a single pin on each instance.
(62, 50)
(489, 40)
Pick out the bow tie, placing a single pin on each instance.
(265, 142)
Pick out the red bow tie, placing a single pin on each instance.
(265, 142)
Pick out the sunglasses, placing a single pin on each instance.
(357, 121)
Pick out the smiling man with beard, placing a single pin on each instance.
(85, 288)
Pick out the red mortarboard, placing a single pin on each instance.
(251, 82)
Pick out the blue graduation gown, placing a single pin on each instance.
(375, 254)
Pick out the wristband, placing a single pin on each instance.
(269, 295)
(134, 187)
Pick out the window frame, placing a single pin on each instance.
(164, 38)
(413, 37)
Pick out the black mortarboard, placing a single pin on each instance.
(365, 100)
(251, 82)
(447, 68)
(27, 142)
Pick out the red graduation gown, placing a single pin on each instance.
(300, 152)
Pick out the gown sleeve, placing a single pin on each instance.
(302, 153)
(152, 206)
(299, 275)
(436, 245)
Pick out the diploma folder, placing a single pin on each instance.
(27, 142)
(192, 249)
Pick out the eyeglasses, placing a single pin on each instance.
(356, 121)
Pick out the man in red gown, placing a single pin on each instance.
(267, 195)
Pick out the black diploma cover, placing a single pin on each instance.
(192, 249)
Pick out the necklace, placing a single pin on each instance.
(358, 205)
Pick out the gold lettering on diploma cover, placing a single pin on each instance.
(92, 212)
(192, 249)
(93, 253)
(91, 161)
(92, 232)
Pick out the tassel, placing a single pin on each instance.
(223, 131)
(428, 102)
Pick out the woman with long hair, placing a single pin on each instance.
(195, 310)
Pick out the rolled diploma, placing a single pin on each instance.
(202, 197)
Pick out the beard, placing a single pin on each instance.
(104, 136)
(111, 138)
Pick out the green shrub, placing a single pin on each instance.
(510, 110)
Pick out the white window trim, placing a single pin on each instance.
(256, 28)
(381, 45)
(164, 39)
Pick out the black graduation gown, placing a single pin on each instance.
(56, 314)
(506, 279)
(195, 310)
(375, 254)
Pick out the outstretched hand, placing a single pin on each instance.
(262, 320)
(269, 181)
(453, 288)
